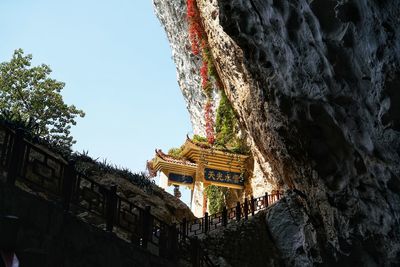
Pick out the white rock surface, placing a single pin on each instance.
(172, 15)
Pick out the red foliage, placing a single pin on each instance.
(195, 28)
(191, 8)
(194, 38)
(198, 40)
(204, 75)
(208, 112)
(199, 43)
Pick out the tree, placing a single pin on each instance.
(29, 97)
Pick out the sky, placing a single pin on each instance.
(116, 62)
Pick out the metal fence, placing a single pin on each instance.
(53, 178)
(241, 211)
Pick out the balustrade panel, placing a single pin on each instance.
(42, 171)
(127, 216)
(195, 227)
(90, 196)
(215, 221)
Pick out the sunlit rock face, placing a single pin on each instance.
(172, 15)
(316, 86)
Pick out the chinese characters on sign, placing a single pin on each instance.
(178, 178)
(224, 177)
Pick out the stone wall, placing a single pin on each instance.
(244, 243)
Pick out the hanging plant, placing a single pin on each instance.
(196, 31)
(209, 122)
(209, 77)
(224, 131)
(205, 83)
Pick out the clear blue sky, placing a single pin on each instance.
(116, 62)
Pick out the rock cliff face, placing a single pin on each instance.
(172, 15)
(316, 86)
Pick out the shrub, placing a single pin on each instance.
(209, 123)
(176, 152)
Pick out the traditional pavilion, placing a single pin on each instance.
(200, 166)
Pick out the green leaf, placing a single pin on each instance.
(28, 96)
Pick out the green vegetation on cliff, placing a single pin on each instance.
(228, 136)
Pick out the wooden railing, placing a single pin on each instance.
(55, 179)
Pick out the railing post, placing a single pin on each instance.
(68, 184)
(246, 209)
(224, 216)
(16, 157)
(163, 245)
(147, 226)
(195, 251)
(173, 242)
(135, 237)
(206, 222)
(252, 206)
(184, 228)
(278, 194)
(266, 200)
(111, 207)
(137, 230)
(238, 211)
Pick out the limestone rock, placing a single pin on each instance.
(315, 85)
(172, 15)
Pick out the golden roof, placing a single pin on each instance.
(214, 158)
(168, 164)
